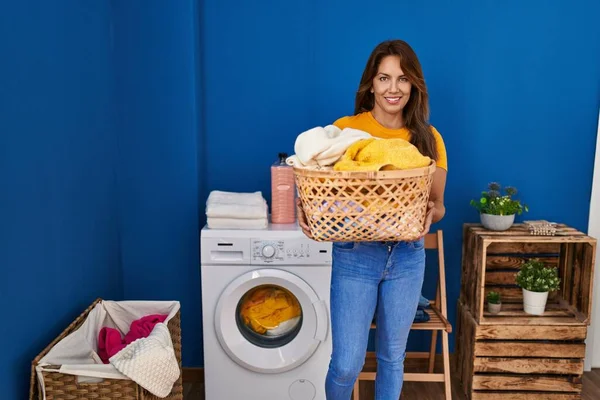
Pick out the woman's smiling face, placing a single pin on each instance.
(391, 88)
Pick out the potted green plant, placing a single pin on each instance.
(497, 211)
(537, 280)
(493, 301)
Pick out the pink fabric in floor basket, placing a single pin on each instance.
(110, 341)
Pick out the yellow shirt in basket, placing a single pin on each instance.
(366, 122)
(376, 154)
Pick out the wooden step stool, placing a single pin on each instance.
(437, 323)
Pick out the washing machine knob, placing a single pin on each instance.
(268, 251)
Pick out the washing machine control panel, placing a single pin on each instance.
(290, 252)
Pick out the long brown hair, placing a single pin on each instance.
(416, 111)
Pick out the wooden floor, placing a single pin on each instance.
(422, 391)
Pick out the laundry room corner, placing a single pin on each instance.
(156, 48)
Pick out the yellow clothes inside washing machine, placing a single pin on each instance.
(266, 308)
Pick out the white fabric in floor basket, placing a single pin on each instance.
(77, 353)
(150, 362)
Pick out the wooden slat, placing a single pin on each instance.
(523, 247)
(496, 262)
(587, 278)
(507, 294)
(408, 377)
(563, 266)
(481, 255)
(529, 349)
(557, 312)
(515, 229)
(533, 321)
(465, 340)
(524, 383)
(431, 241)
(475, 254)
(529, 365)
(539, 239)
(417, 354)
(500, 277)
(576, 278)
(524, 396)
(553, 305)
(369, 370)
(436, 322)
(514, 294)
(467, 267)
(531, 332)
(472, 251)
(516, 310)
(579, 315)
(521, 229)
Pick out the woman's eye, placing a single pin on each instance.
(382, 78)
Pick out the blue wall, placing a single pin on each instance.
(514, 91)
(157, 160)
(59, 243)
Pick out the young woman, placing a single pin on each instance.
(391, 102)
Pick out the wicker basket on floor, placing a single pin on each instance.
(62, 386)
(344, 206)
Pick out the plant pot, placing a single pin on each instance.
(534, 302)
(494, 308)
(497, 222)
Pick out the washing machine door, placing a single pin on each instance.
(270, 320)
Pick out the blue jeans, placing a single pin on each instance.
(366, 275)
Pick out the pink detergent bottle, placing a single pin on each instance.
(283, 190)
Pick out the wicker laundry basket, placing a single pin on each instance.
(61, 386)
(344, 206)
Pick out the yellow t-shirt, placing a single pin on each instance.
(366, 122)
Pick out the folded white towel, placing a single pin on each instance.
(241, 198)
(237, 223)
(324, 146)
(219, 210)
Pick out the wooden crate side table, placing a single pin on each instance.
(491, 259)
(514, 355)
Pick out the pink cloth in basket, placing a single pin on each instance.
(142, 327)
(110, 341)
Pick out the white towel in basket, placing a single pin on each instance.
(150, 362)
(323, 146)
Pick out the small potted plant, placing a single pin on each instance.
(497, 211)
(537, 280)
(494, 303)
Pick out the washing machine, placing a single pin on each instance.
(265, 305)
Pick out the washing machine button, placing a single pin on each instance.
(302, 390)
(268, 251)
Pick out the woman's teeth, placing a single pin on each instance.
(393, 100)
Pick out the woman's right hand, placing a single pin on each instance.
(302, 221)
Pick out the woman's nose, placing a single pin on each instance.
(394, 88)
